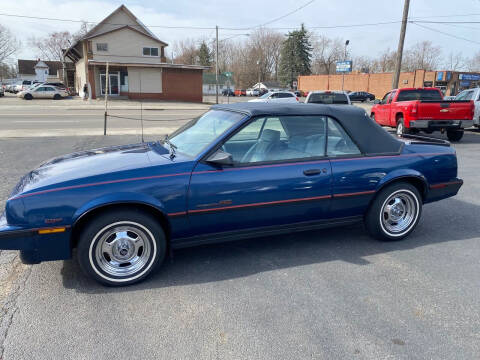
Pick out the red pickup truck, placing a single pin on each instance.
(423, 109)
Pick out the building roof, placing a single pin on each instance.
(209, 79)
(27, 67)
(354, 120)
(122, 8)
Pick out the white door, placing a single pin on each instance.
(49, 92)
(113, 84)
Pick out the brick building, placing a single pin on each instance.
(137, 66)
(450, 82)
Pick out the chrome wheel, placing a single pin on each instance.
(399, 212)
(123, 249)
(400, 128)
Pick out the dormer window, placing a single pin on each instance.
(147, 51)
(102, 47)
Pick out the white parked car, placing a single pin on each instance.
(22, 85)
(328, 97)
(43, 92)
(472, 94)
(277, 96)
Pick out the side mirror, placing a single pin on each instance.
(220, 157)
(377, 101)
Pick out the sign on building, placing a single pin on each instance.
(472, 77)
(344, 66)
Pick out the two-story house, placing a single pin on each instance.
(137, 65)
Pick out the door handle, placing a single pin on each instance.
(311, 172)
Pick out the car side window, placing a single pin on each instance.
(339, 143)
(40, 88)
(278, 138)
(468, 95)
(384, 100)
(392, 95)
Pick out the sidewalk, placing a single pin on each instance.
(11, 102)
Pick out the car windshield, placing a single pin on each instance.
(265, 96)
(198, 133)
(419, 94)
(328, 98)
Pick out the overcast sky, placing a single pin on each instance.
(369, 40)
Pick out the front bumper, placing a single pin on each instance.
(440, 124)
(35, 244)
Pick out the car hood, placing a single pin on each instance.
(72, 168)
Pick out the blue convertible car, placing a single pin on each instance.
(238, 171)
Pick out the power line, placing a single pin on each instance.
(288, 14)
(444, 33)
(94, 23)
(443, 16)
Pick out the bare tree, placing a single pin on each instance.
(186, 51)
(8, 44)
(455, 62)
(422, 55)
(51, 47)
(474, 62)
(385, 62)
(326, 52)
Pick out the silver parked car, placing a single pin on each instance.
(43, 92)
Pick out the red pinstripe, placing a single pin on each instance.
(213, 171)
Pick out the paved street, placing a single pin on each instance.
(329, 294)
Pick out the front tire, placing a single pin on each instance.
(28, 97)
(394, 213)
(454, 135)
(121, 247)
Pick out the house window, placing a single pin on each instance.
(102, 47)
(46, 72)
(147, 51)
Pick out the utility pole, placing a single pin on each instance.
(401, 41)
(106, 101)
(216, 66)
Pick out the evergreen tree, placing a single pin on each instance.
(296, 56)
(204, 55)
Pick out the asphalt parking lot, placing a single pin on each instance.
(329, 294)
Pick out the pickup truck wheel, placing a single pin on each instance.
(394, 213)
(372, 116)
(121, 247)
(454, 135)
(401, 129)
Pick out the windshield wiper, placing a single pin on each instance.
(173, 147)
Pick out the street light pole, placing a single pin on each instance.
(216, 66)
(344, 59)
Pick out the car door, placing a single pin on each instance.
(353, 182)
(39, 92)
(381, 116)
(280, 176)
(49, 92)
(390, 117)
(273, 98)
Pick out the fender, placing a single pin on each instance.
(119, 197)
(403, 173)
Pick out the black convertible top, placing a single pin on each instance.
(368, 135)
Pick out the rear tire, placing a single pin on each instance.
(454, 135)
(121, 247)
(394, 213)
(56, 97)
(401, 129)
